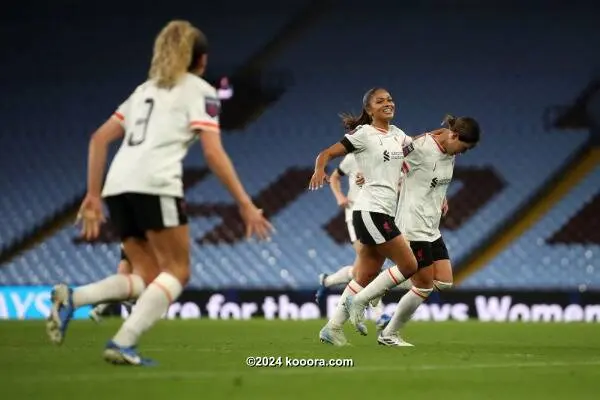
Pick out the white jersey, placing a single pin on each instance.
(349, 167)
(428, 172)
(159, 129)
(379, 157)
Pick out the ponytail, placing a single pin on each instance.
(351, 122)
(449, 121)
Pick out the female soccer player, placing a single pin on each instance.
(428, 165)
(144, 189)
(377, 146)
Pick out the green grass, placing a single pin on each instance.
(204, 359)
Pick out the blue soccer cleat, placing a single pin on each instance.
(118, 355)
(61, 313)
(322, 290)
(382, 322)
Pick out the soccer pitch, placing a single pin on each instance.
(206, 359)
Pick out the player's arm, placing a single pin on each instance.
(204, 121)
(413, 155)
(336, 188)
(352, 142)
(220, 164)
(109, 132)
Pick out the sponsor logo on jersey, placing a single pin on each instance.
(386, 156)
(439, 182)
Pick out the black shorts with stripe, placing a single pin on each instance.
(133, 214)
(427, 253)
(373, 227)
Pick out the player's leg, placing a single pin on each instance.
(408, 304)
(118, 287)
(442, 277)
(342, 275)
(367, 265)
(389, 244)
(124, 268)
(168, 236)
(438, 276)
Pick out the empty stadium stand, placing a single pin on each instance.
(503, 70)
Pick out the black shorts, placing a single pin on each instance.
(133, 214)
(427, 253)
(374, 228)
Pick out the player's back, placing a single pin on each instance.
(158, 125)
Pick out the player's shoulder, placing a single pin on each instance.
(198, 84)
(397, 131)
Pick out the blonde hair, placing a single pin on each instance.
(173, 50)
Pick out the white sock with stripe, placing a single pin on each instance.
(342, 275)
(114, 288)
(340, 316)
(150, 307)
(386, 280)
(405, 309)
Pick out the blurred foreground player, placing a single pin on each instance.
(144, 189)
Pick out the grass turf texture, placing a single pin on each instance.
(205, 359)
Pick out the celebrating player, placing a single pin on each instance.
(428, 165)
(144, 189)
(377, 146)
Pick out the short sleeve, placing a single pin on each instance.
(413, 154)
(347, 166)
(204, 108)
(122, 111)
(356, 140)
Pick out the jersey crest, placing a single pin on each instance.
(212, 106)
(408, 149)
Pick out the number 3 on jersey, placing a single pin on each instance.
(138, 133)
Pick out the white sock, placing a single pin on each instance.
(114, 288)
(384, 281)
(376, 308)
(342, 275)
(406, 285)
(340, 316)
(100, 308)
(406, 308)
(441, 285)
(150, 307)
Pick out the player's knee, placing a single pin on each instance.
(420, 281)
(409, 267)
(424, 292)
(441, 285)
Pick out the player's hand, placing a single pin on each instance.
(343, 202)
(91, 217)
(318, 179)
(255, 221)
(360, 179)
(445, 207)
